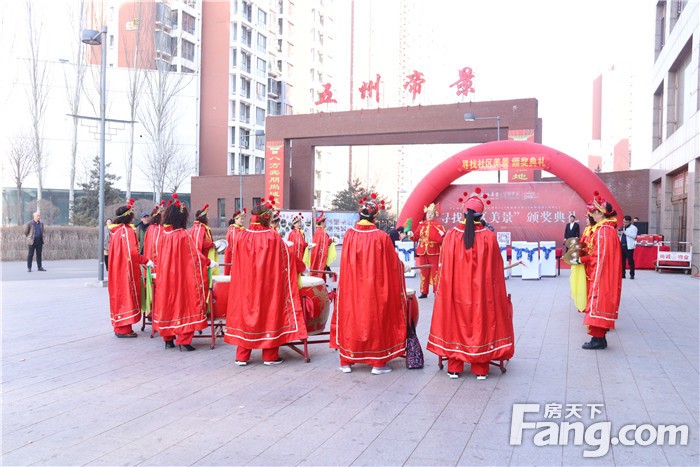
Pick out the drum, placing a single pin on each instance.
(413, 312)
(314, 299)
(219, 296)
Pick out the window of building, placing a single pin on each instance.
(262, 18)
(234, 57)
(685, 107)
(246, 36)
(658, 117)
(247, 11)
(259, 165)
(187, 50)
(221, 208)
(260, 141)
(261, 68)
(232, 90)
(260, 91)
(231, 162)
(256, 201)
(660, 28)
(233, 135)
(245, 114)
(245, 139)
(188, 23)
(237, 204)
(259, 116)
(111, 40)
(245, 164)
(262, 43)
(245, 61)
(245, 88)
(184, 69)
(234, 32)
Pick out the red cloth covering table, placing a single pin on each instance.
(645, 256)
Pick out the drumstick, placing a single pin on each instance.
(316, 271)
(514, 264)
(422, 266)
(225, 264)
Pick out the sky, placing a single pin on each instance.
(545, 49)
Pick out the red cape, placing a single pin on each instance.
(264, 308)
(472, 321)
(297, 237)
(369, 323)
(319, 253)
(150, 242)
(232, 235)
(124, 276)
(201, 235)
(603, 275)
(180, 300)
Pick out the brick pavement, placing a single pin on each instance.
(72, 394)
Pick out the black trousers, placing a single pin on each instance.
(36, 246)
(628, 258)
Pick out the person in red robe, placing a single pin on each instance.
(603, 276)
(298, 237)
(369, 323)
(153, 234)
(201, 234)
(472, 321)
(264, 309)
(235, 228)
(427, 253)
(180, 301)
(124, 275)
(322, 249)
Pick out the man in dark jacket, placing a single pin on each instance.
(572, 229)
(141, 229)
(34, 233)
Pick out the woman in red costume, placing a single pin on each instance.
(369, 323)
(264, 309)
(201, 234)
(430, 235)
(297, 237)
(124, 275)
(603, 276)
(153, 233)
(322, 250)
(234, 229)
(180, 302)
(472, 322)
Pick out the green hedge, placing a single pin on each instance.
(60, 242)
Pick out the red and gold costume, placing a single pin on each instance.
(150, 242)
(124, 278)
(298, 238)
(603, 277)
(472, 321)
(232, 234)
(323, 253)
(369, 323)
(180, 301)
(264, 309)
(201, 234)
(430, 236)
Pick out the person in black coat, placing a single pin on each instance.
(572, 229)
(395, 234)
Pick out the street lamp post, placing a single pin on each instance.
(472, 118)
(93, 37)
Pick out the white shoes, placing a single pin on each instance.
(453, 375)
(241, 363)
(481, 377)
(345, 369)
(381, 370)
(274, 362)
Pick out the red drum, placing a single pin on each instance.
(412, 300)
(219, 296)
(314, 299)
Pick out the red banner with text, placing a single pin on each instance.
(532, 212)
(274, 171)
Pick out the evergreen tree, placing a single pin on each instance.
(86, 210)
(346, 200)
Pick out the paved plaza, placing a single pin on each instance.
(73, 394)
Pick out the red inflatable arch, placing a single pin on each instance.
(579, 177)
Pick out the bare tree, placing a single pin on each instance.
(20, 163)
(74, 76)
(159, 119)
(38, 92)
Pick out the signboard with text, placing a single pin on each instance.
(274, 170)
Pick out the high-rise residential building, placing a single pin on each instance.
(675, 157)
(260, 58)
(610, 149)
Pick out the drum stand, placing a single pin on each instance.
(307, 305)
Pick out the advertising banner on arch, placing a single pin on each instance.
(531, 212)
(274, 170)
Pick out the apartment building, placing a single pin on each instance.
(675, 157)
